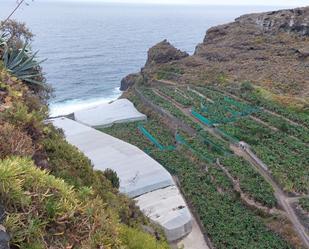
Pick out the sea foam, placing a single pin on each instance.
(70, 106)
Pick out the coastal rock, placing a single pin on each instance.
(164, 52)
(128, 81)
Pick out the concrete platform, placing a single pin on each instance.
(167, 207)
(104, 115)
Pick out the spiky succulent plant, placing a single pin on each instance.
(23, 64)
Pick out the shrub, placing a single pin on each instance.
(246, 87)
(304, 203)
(13, 141)
(30, 122)
(136, 239)
(111, 175)
(46, 211)
(16, 33)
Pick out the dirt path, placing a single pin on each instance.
(248, 200)
(282, 198)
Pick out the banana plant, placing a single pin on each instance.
(22, 64)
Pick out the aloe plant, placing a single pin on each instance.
(22, 64)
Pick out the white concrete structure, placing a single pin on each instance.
(140, 176)
(104, 115)
(167, 207)
(138, 173)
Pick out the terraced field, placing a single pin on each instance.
(209, 191)
(207, 167)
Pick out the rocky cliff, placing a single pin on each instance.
(269, 49)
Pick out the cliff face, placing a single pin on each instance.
(290, 21)
(269, 49)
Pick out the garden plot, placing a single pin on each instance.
(119, 111)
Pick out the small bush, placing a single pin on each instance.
(13, 141)
(111, 175)
(304, 203)
(46, 211)
(246, 87)
(135, 239)
(30, 122)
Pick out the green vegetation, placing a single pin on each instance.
(35, 201)
(257, 97)
(250, 181)
(111, 175)
(52, 196)
(22, 64)
(169, 72)
(284, 126)
(287, 157)
(176, 94)
(16, 54)
(206, 186)
(304, 203)
(221, 213)
(166, 105)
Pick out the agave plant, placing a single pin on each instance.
(22, 64)
(2, 40)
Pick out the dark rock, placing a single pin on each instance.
(164, 52)
(4, 236)
(128, 81)
(4, 239)
(291, 21)
(2, 214)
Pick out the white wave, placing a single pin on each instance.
(70, 106)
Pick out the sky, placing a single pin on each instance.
(215, 2)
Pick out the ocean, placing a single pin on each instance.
(90, 47)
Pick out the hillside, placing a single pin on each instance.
(237, 111)
(50, 195)
(270, 50)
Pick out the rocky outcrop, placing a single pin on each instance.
(164, 52)
(129, 81)
(269, 49)
(291, 21)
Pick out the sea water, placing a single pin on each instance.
(90, 47)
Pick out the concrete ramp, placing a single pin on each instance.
(104, 115)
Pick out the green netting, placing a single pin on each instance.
(201, 118)
(154, 140)
(182, 141)
(246, 109)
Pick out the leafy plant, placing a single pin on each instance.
(111, 175)
(23, 64)
(304, 203)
